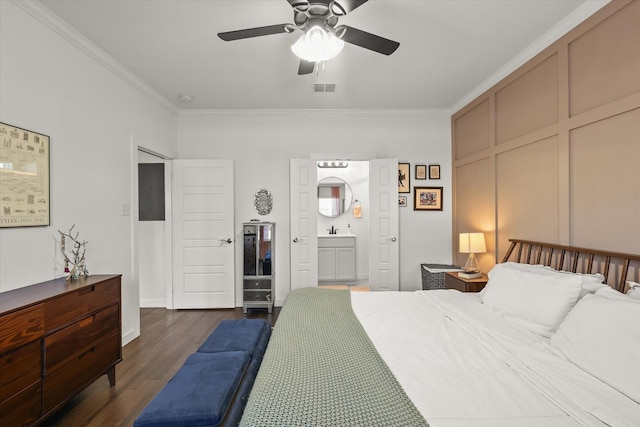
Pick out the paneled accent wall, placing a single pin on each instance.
(552, 152)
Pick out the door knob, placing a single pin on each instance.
(295, 240)
(393, 239)
(228, 240)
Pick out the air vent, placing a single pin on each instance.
(324, 87)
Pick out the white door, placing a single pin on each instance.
(384, 271)
(304, 223)
(203, 257)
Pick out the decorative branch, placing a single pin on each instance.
(77, 266)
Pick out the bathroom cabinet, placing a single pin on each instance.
(258, 283)
(337, 258)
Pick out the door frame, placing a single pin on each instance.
(314, 157)
(167, 229)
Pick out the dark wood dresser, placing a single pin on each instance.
(56, 338)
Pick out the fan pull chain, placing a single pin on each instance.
(318, 67)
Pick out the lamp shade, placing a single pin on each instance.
(472, 243)
(317, 45)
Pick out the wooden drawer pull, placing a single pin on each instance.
(86, 290)
(87, 321)
(91, 350)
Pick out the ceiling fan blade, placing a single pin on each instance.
(256, 32)
(306, 67)
(298, 3)
(366, 40)
(348, 5)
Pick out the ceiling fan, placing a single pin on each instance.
(321, 40)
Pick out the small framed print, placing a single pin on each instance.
(402, 201)
(421, 171)
(404, 180)
(434, 171)
(427, 199)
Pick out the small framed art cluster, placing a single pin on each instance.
(424, 198)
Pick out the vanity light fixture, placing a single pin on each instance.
(332, 165)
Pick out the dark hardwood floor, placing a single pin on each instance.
(167, 338)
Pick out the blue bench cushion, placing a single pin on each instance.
(199, 393)
(250, 335)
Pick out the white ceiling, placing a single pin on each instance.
(448, 49)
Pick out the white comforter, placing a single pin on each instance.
(463, 365)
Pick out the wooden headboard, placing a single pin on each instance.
(614, 266)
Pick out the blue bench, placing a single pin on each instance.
(214, 383)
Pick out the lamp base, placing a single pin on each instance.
(472, 264)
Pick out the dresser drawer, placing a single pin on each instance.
(253, 296)
(21, 327)
(67, 308)
(20, 369)
(23, 408)
(78, 372)
(66, 344)
(249, 284)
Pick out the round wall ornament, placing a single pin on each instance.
(263, 201)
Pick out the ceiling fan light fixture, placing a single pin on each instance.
(317, 45)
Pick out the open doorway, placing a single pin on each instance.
(383, 224)
(153, 213)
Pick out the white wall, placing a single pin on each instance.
(93, 118)
(262, 142)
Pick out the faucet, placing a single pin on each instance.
(332, 230)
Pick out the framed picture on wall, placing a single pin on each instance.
(421, 171)
(427, 199)
(402, 201)
(434, 171)
(404, 180)
(24, 178)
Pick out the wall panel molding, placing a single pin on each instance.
(535, 180)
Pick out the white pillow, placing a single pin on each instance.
(634, 290)
(590, 282)
(612, 293)
(601, 336)
(538, 300)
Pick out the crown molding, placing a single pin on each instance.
(70, 34)
(433, 112)
(581, 13)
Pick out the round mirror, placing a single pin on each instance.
(334, 197)
(263, 201)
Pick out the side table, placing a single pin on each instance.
(453, 281)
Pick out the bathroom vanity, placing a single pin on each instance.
(337, 258)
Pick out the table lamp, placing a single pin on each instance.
(472, 243)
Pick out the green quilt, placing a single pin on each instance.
(321, 369)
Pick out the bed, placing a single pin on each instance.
(539, 346)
